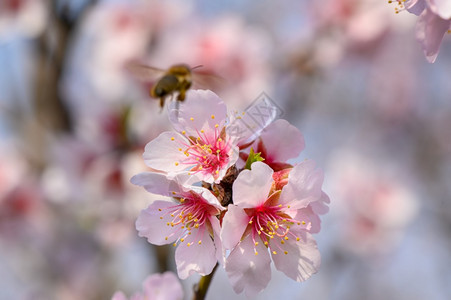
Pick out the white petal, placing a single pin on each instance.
(234, 224)
(150, 225)
(251, 187)
(157, 183)
(202, 109)
(304, 185)
(303, 258)
(196, 258)
(163, 153)
(248, 271)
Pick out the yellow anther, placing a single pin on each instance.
(274, 252)
(286, 252)
(299, 223)
(173, 193)
(280, 205)
(303, 222)
(159, 209)
(175, 244)
(192, 119)
(216, 125)
(286, 238)
(212, 116)
(282, 242)
(182, 240)
(259, 232)
(172, 138)
(250, 222)
(297, 239)
(218, 151)
(256, 243)
(196, 226)
(180, 149)
(168, 223)
(256, 253)
(161, 218)
(288, 206)
(202, 131)
(176, 163)
(217, 172)
(266, 243)
(183, 132)
(199, 242)
(219, 140)
(166, 238)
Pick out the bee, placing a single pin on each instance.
(176, 79)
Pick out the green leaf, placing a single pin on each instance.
(253, 157)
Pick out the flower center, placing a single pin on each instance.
(272, 225)
(399, 5)
(192, 212)
(208, 153)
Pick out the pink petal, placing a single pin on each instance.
(157, 183)
(156, 230)
(441, 8)
(320, 206)
(310, 221)
(197, 258)
(234, 224)
(220, 251)
(247, 271)
(301, 262)
(246, 127)
(415, 6)
(251, 187)
(163, 153)
(282, 141)
(430, 30)
(164, 286)
(304, 185)
(196, 112)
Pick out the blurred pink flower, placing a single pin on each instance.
(191, 222)
(164, 286)
(433, 22)
(373, 206)
(264, 217)
(22, 18)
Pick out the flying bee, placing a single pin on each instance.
(177, 79)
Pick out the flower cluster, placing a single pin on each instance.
(235, 200)
(433, 22)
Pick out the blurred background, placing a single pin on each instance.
(348, 73)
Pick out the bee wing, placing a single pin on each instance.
(207, 81)
(144, 73)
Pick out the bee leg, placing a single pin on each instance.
(161, 102)
(182, 95)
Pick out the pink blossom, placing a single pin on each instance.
(264, 217)
(156, 287)
(191, 222)
(433, 22)
(203, 144)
